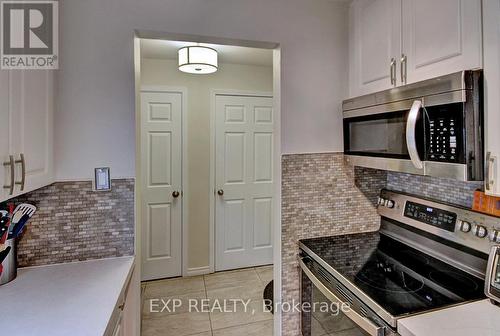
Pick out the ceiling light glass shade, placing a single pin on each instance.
(198, 60)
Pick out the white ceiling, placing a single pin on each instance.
(163, 49)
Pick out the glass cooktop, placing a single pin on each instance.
(399, 278)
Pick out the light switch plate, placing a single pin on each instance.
(102, 179)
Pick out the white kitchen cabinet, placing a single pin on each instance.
(491, 34)
(426, 38)
(5, 177)
(131, 318)
(119, 326)
(125, 320)
(27, 106)
(440, 37)
(376, 44)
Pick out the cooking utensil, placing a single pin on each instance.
(4, 228)
(25, 209)
(15, 219)
(18, 228)
(19, 212)
(10, 207)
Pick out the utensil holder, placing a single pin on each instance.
(10, 263)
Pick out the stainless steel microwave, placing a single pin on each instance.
(433, 128)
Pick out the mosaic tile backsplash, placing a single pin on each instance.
(74, 223)
(447, 190)
(321, 197)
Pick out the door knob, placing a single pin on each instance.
(220, 192)
(176, 194)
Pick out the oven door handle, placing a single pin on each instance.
(368, 326)
(411, 136)
(491, 271)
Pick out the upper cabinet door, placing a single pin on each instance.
(5, 171)
(31, 109)
(440, 37)
(375, 40)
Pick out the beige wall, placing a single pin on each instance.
(95, 114)
(199, 87)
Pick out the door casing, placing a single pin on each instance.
(275, 47)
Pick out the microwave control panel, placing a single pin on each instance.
(443, 140)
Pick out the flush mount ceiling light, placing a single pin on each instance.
(198, 60)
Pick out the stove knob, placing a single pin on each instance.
(495, 236)
(380, 201)
(464, 226)
(389, 204)
(480, 231)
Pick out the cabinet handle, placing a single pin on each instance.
(22, 161)
(403, 68)
(393, 71)
(11, 164)
(490, 161)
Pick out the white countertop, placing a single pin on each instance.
(479, 318)
(75, 299)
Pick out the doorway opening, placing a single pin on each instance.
(208, 169)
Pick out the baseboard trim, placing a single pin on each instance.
(198, 271)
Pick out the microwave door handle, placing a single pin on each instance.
(411, 136)
(364, 323)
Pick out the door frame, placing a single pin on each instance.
(213, 110)
(184, 164)
(276, 48)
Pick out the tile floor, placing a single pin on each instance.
(245, 284)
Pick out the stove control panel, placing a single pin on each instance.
(466, 227)
(431, 215)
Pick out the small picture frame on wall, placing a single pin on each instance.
(102, 179)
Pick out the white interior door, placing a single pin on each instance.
(244, 181)
(161, 159)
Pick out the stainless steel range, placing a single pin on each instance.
(426, 256)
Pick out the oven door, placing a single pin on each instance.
(333, 308)
(387, 139)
